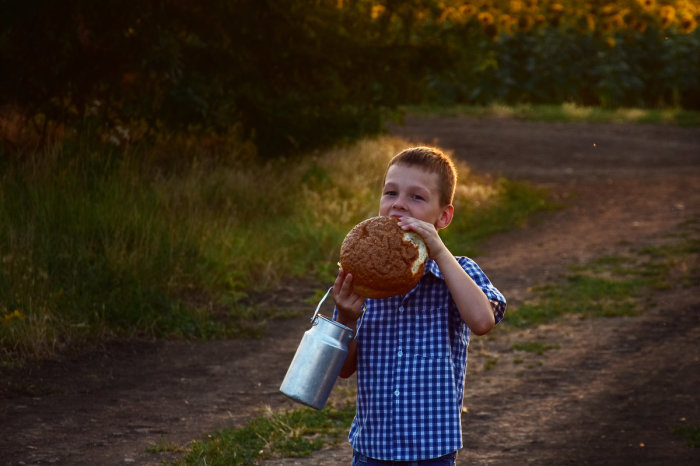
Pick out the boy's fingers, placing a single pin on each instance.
(358, 301)
(342, 288)
(347, 287)
(338, 281)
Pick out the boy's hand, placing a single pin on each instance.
(472, 304)
(428, 232)
(348, 303)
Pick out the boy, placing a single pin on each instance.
(411, 351)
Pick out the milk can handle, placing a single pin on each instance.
(364, 308)
(313, 319)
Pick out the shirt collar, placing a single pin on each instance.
(432, 268)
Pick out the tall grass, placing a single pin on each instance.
(97, 243)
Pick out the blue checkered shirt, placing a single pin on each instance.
(411, 363)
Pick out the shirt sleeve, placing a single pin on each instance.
(497, 300)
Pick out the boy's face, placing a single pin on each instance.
(411, 191)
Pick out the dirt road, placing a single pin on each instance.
(612, 392)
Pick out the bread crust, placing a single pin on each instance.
(383, 259)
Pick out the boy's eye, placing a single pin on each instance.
(417, 197)
(390, 193)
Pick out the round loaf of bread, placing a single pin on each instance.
(384, 260)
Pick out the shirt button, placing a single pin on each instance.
(401, 309)
(400, 353)
(396, 393)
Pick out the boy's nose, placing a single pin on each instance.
(399, 204)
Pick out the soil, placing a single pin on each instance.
(611, 393)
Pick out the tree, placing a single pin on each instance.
(293, 74)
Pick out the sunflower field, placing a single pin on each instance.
(643, 53)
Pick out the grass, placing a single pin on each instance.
(490, 364)
(294, 433)
(168, 243)
(689, 433)
(534, 347)
(615, 285)
(163, 446)
(508, 205)
(566, 113)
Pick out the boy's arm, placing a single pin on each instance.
(349, 306)
(350, 364)
(473, 305)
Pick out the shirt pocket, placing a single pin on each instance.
(428, 333)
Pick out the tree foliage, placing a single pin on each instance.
(293, 74)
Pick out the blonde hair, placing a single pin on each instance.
(432, 160)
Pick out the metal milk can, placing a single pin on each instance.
(318, 360)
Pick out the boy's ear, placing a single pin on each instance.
(445, 217)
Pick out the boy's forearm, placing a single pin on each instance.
(350, 364)
(473, 305)
(349, 307)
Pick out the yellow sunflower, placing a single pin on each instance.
(532, 4)
(686, 6)
(647, 5)
(640, 26)
(556, 8)
(377, 11)
(467, 11)
(485, 18)
(585, 23)
(449, 13)
(687, 23)
(668, 15)
(609, 9)
(617, 21)
(525, 23)
(506, 23)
